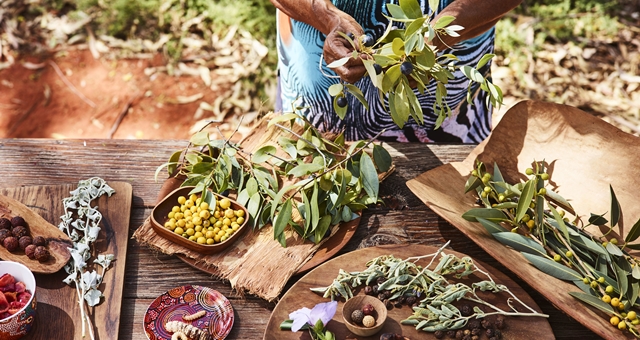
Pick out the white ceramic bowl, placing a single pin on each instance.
(20, 323)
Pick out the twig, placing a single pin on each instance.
(120, 117)
(68, 83)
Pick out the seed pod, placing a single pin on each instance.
(357, 316)
(368, 309)
(5, 223)
(41, 254)
(24, 241)
(18, 221)
(30, 251)
(11, 243)
(19, 231)
(39, 241)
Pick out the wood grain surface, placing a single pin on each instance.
(300, 296)
(404, 219)
(57, 241)
(58, 313)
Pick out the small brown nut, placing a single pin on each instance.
(24, 241)
(11, 243)
(18, 221)
(19, 231)
(5, 223)
(39, 241)
(368, 309)
(30, 251)
(4, 233)
(357, 316)
(368, 321)
(41, 253)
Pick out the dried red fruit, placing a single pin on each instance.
(41, 254)
(18, 221)
(30, 251)
(39, 241)
(11, 243)
(24, 241)
(368, 309)
(5, 223)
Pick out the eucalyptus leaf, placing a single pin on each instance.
(613, 249)
(634, 233)
(621, 276)
(200, 138)
(519, 243)
(369, 176)
(616, 211)
(382, 158)
(335, 89)
(282, 219)
(253, 207)
(411, 8)
(494, 215)
(339, 62)
(593, 301)
(396, 11)
(315, 213)
(559, 200)
(491, 227)
(561, 226)
(553, 268)
(473, 182)
(305, 169)
(525, 199)
(597, 219)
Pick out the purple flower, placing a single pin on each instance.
(322, 311)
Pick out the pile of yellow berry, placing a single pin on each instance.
(203, 224)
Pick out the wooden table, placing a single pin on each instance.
(26, 162)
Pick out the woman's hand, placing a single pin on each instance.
(326, 18)
(337, 47)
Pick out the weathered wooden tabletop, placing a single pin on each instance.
(26, 162)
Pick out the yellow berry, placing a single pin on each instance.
(178, 230)
(632, 315)
(614, 320)
(635, 322)
(182, 199)
(615, 302)
(542, 192)
(192, 238)
(594, 284)
(601, 279)
(586, 280)
(204, 206)
(569, 254)
(201, 240)
(240, 220)
(544, 176)
(198, 234)
(622, 325)
(190, 231)
(526, 218)
(621, 306)
(529, 171)
(557, 257)
(609, 289)
(225, 203)
(210, 241)
(239, 213)
(209, 234)
(217, 238)
(193, 198)
(606, 299)
(531, 224)
(614, 241)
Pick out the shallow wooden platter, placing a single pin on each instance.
(58, 313)
(300, 296)
(584, 155)
(57, 241)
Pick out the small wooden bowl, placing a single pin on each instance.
(357, 302)
(162, 209)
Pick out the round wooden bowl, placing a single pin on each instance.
(357, 302)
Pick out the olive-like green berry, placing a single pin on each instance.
(514, 230)
(601, 279)
(474, 173)
(542, 192)
(609, 289)
(569, 254)
(486, 175)
(586, 280)
(487, 189)
(544, 176)
(604, 244)
(594, 284)
(529, 171)
(557, 257)
(501, 198)
(614, 241)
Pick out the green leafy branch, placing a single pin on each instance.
(405, 58)
(530, 218)
(306, 182)
(435, 311)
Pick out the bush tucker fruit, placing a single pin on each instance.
(368, 309)
(4, 233)
(18, 221)
(41, 254)
(5, 223)
(406, 68)
(11, 243)
(367, 40)
(368, 321)
(24, 241)
(357, 316)
(341, 101)
(198, 222)
(30, 251)
(19, 231)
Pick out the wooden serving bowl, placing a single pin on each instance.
(357, 302)
(162, 209)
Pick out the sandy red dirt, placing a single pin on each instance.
(110, 84)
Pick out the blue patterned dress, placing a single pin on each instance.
(299, 52)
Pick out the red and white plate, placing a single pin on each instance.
(188, 300)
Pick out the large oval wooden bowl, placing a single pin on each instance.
(299, 295)
(57, 241)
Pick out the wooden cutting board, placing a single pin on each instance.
(300, 296)
(57, 312)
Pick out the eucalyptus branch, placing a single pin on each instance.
(304, 140)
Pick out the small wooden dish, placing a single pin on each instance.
(57, 241)
(357, 302)
(162, 209)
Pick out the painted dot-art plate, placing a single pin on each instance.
(188, 300)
